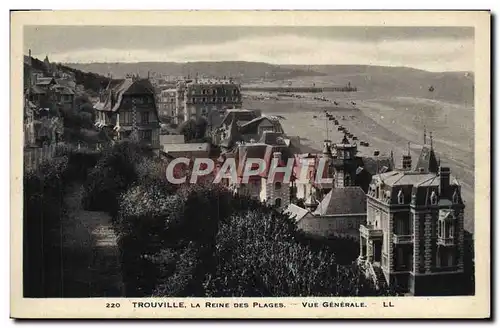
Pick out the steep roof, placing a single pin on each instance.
(273, 138)
(43, 81)
(37, 90)
(126, 87)
(427, 161)
(347, 200)
(172, 139)
(371, 164)
(233, 135)
(295, 212)
(241, 115)
(251, 127)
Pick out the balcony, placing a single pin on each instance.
(445, 241)
(402, 239)
(370, 232)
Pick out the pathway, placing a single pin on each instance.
(91, 264)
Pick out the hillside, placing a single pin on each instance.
(239, 69)
(91, 81)
(371, 81)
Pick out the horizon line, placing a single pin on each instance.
(255, 62)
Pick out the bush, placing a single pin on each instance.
(112, 175)
(80, 161)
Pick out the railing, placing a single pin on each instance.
(371, 273)
(33, 157)
(445, 241)
(369, 231)
(402, 239)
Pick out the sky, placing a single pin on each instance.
(429, 48)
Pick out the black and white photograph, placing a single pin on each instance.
(223, 162)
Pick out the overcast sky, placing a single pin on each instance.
(429, 48)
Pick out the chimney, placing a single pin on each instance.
(444, 180)
(326, 148)
(407, 160)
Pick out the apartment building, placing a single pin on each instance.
(206, 97)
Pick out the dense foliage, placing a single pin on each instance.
(43, 214)
(201, 240)
(193, 129)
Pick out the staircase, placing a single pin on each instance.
(377, 275)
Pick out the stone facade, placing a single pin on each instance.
(419, 218)
(204, 98)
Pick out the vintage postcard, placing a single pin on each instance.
(250, 164)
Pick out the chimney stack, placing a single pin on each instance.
(444, 180)
(407, 160)
(327, 148)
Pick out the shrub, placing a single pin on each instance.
(112, 175)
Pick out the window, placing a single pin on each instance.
(139, 100)
(277, 185)
(433, 198)
(145, 117)
(277, 202)
(450, 230)
(347, 180)
(455, 197)
(224, 99)
(440, 231)
(235, 91)
(204, 92)
(193, 100)
(347, 155)
(213, 99)
(147, 135)
(204, 99)
(401, 197)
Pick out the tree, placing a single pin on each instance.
(194, 128)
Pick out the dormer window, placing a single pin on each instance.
(455, 197)
(387, 196)
(433, 198)
(347, 155)
(401, 197)
(277, 202)
(347, 180)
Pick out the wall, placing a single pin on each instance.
(328, 225)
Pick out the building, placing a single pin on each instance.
(172, 139)
(129, 109)
(187, 150)
(202, 97)
(166, 103)
(238, 126)
(341, 212)
(260, 186)
(414, 235)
